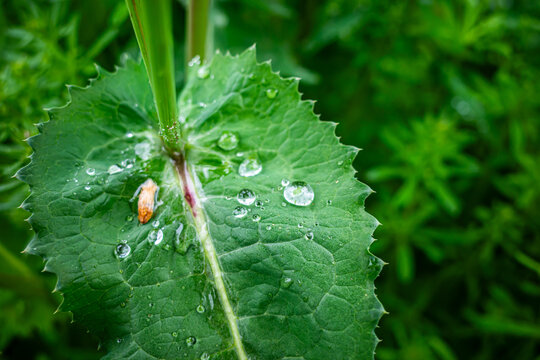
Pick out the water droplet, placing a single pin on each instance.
(174, 334)
(228, 140)
(190, 341)
(329, 202)
(142, 150)
(119, 340)
(123, 305)
(271, 93)
(151, 305)
(91, 171)
(250, 167)
(156, 237)
(122, 251)
(87, 187)
(114, 169)
(259, 203)
(129, 218)
(309, 235)
(245, 197)
(195, 61)
(240, 212)
(205, 356)
(155, 224)
(286, 282)
(300, 225)
(299, 193)
(340, 163)
(283, 204)
(127, 163)
(200, 309)
(203, 72)
(285, 182)
(129, 135)
(256, 218)
(268, 227)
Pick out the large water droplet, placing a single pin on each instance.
(203, 72)
(142, 150)
(91, 171)
(299, 193)
(245, 197)
(114, 169)
(240, 212)
(190, 341)
(228, 141)
(271, 93)
(122, 251)
(250, 167)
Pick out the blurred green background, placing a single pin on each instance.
(444, 96)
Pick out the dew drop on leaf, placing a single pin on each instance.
(228, 141)
(87, 187)
(259, 203)
(271, 93)
(256, 218)
(240, 212)
(155, 237)
(190, 341)
(122, 251)
(245, 197)
(203, 72)
(142, 150)
(299, 193)
(155, 224)
(114, 169)
(286, 282)
(250, 167)
(200, 309)
(329, 202)
(174, 334)
(309, 235)
(91, 171)
(284, 182)
(205, 356)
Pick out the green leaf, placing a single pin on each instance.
(282, 282)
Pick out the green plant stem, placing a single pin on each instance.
(197, 29)
(151, 21)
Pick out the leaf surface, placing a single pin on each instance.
(208, 276)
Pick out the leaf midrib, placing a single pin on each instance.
(190, 185)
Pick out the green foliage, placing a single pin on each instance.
(459, 211)
(299, 279)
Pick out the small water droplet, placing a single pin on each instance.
(155, 224)
(299, 193)
(203, 72)
(190, 341)
(284, 182)
(127, 163)
(123, 305)
(129, 217)
(286, 282)
(256, 218)
(340, 163)
(259, 203)
(245, 197)
(114, 169)
(195, 61)
(142, 150)
(268, 227)
(155, 237)
(151, 305)
(300, 225)
(87, 187)
(200, 309)
(91, 171)
(205, 356)
(329, 202)
(271, 93)
(228, 141)
(174, 334)
(129, 135)
(119, 340)
(250, 167)
(122, 251)
(283, 204)
(309, 235)
(240, 212)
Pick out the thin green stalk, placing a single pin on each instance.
(197, 29)
(151, 21)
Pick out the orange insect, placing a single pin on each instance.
(146, 200)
